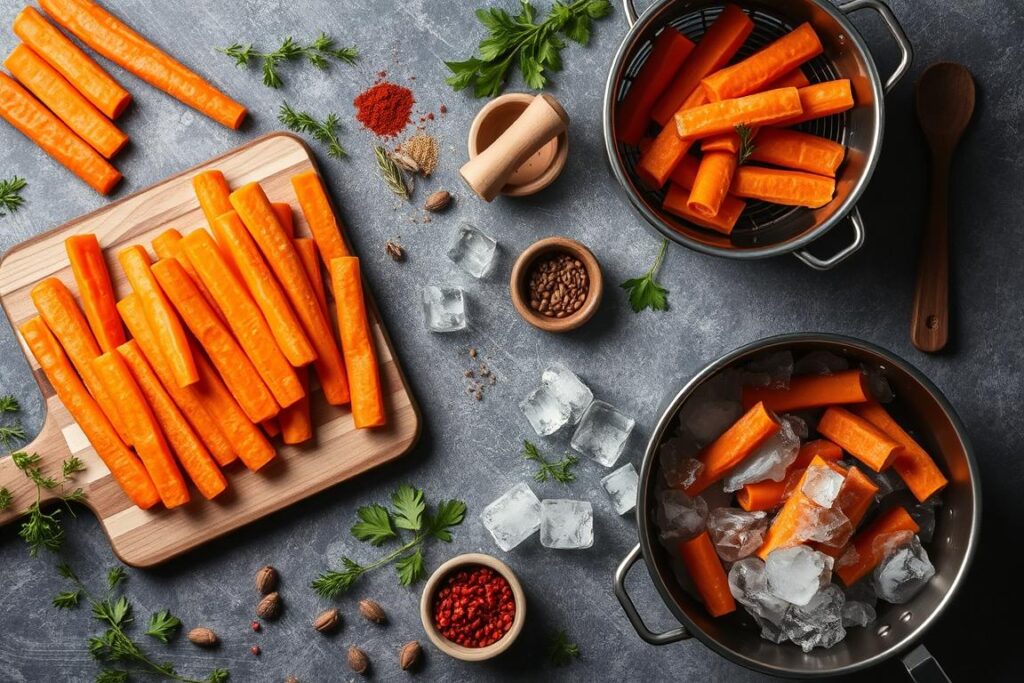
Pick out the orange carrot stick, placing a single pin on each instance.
(810, 391)
(306, 247)
(792, 188)
(191, 452)
(71, 62)
(38, 124)
(685, 172)
(735, 444)
(205, 423)
(763, 108)
(149, 440)
(730, 142)
(913, 464)
(357, 343)
(283, 210)
(714, 50)
(708, 575)
(241, 377)
(212, 192)
(124, 466)
(783, 531)
(859, 438)
(803, 152)
(322, 221)
(255, 211)
(53, 90)
(764, 66)
(792, 79)
(95, 289)
(854, 500)
(57, 306)
(821, 99)
(110, 37)
(272, 427)
(712, 183)
(768, 494)
(161, 317)
(677, 201)
(667, 150)
(670, 50)
(868, 547)
(168, 245)
(243, 317)
(295, 422)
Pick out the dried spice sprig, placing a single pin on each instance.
(391, 172)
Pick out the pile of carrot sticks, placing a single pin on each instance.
(211, 354)
(65, 102)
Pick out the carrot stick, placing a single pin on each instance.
(854, 500)
(149, 440)
(243, 317)
(859, 438)
(792, 188)
(792, 79)
(272, 427)
(821, 99)
(235, 367)
(95, 289)
(670, 50)
(677, 201)
(212, 192)
(53, 90)
(783, 531)
(868, 548)
(730, 142)
(913, 464)
(685, 172)
(358, 343)
(667, 150)
(716, 47)
(191, 452)
(283, 210)
(712, 183)
(705, 569)
(206, 424)
(71, 62)
(764, 66)
(307, 250)
(763, 108)
(255, 211)
(768, 494)
(803, 152)
(810, 391)
(322, 221)
(57, 306)
(161, 317)
(168, 245)
(38, 124)
(295, 422)
(735, 444)
(110, 37)
(124, 466)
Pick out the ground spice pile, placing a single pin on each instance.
(475, 607)
(423, 149)
(558, 285)
(384, 108)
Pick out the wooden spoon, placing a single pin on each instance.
(945, 102)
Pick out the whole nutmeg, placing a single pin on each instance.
(357, 660)
(410, 654)
(270, 606)
(372, 610)
(327, 621)
(266, 580)
(203, 637)
(438, 201)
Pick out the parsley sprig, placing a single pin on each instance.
(644, 291)
(560, 471)
(520, 41)
(10, 194)
(561, 652)
(378, 525)
(322, 131)
(747, 146)
(319, 53)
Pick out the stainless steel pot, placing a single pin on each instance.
(769, 229)
(899, 627)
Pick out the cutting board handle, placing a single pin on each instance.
(53, 448)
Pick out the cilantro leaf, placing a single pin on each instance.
(644, 291)
(408, 507)
(410, 568)
(375, 526)
(163, 625)
(449, 513)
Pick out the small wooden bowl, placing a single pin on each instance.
(520, 281)
(472, 654)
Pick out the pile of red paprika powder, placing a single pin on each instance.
(384, 108)
(474, 607)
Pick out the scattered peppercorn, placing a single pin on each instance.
(256, 626)
(474, 607)
(558, 285)
(255, 649)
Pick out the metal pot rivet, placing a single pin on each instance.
(906, 617)
(883, 630)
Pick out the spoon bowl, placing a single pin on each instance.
(945, 101)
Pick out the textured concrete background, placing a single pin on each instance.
(470, 449)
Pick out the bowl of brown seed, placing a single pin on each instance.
(556, 284)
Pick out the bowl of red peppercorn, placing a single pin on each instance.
(556, 284)
(473, 607)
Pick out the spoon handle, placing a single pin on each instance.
(929, 324)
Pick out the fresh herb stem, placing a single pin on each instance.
(561, 651)
(644, 291)
(319, 53)
(10, 195)
(322, 131)
(747, 147)
(560, 471)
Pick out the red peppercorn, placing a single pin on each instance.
(256, 626)
(474, 607)
(255, 649)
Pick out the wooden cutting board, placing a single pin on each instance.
(142, 538)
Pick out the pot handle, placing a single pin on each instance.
(827, 264)
(923, 668)
(631, 14)
(898, 34)
(672, 636)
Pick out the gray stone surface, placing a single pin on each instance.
(470, 449)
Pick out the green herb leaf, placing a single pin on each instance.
(561, 652)
(408, 506)
(644, 291)
(163, 625)
(322, 131)
(375, 525)
(5, 498)
(10, 201)
(410, 568)
(72, 466)
(560, 471)
(67, 599)
(449, 513)
(319, 52)
(333, 583)
(112, 676)
(41, 531)
(115, 576)
(116, 613)
(9, 404)
(747, 146)
(65, 570)
(218, 676)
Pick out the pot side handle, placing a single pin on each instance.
(857, 223)
(671, 636)
(898, 34)
(923, 668)
(629, 7)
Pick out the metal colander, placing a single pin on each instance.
(767, 229)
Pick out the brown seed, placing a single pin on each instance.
(266, 580)
(438, 201)
(405, 162)
(269, 607)
(410, 654)
(291, 679)
(372, 610)
(357, 660)
(203, 637)
(394, 250)
(327, 621)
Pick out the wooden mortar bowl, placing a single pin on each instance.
(520, 281)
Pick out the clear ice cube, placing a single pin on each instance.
(888, 482)
(678, 464)
(862, 591)
(472, 249)
(707, 420)
(566, 524)
(820, 363)
(444, 309)
(857, 613)
(821, 484)
(824, 525)
(544, 411)
(513, 517)
(568, 388)
(769, 461)
(748, 584)
(772, 370)
(621, 487)
(679, 517)
(819, 622)
(903, 572)
(796, 574)
(736, 533)
(602, 433)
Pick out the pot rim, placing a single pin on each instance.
(667, 417)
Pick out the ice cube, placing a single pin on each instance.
(568, 389)
(472, 249)
(748, 584)
(706, 420)
(769, 461)
(566, 524)
(820, 363)
(621, 486)
(824, 525)
(888, 482)
(736, 533)
(822, 484)
(861, 591)
(798, 424)
(602, 433)
(877, 384)
(818, 623)
(678, 464)
(444, 309)
(924, 515)
(513, 517)
(796, 574)
(772, 370)
(857, 613)
(680, 517)
(544, 411)
(903, 573)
